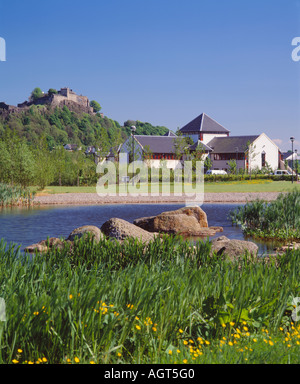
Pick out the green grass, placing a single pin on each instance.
(251, 186)
(213, 187)
(166, 303)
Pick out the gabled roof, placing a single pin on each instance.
(205, 124)
(170, 133)
(290, 156)
(158, 144)
(230, 144)
(205, 147)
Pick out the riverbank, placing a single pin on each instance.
(94, 199)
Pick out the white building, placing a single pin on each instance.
(154, 150)
(249, 152)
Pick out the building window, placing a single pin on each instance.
(263, 159)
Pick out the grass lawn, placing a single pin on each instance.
(218, 187)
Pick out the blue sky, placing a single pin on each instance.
(162, 62)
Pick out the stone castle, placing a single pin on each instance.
(63, 97)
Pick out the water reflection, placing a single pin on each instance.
(25, 226)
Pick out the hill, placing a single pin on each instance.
(68, 119)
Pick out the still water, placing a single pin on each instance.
(26, 226)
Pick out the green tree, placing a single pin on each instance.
(96, 106)
(16, 160)
(5, 163)
(59, 157)
(36, 93)
(232, 167)
(44, 170)
(208, 163)
(79, 160)
(52, 91)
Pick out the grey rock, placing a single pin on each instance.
(86, 230)
(233, 249)
(121, 229)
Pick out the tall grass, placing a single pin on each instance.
(279, 219)
(113, 303)
(14, 195)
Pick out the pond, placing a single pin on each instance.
(26, 226)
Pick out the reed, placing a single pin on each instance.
(11, 195)
(279, 219)
(165, 303)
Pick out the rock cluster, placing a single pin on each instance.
(187, 221)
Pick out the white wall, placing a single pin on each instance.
(172, 164)
(263, 143)
(207, 137)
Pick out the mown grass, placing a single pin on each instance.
(246, 186)
(164, 303)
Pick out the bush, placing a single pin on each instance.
(279, 219)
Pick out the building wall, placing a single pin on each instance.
(263, 143)
(171, 164)
(223, 164)
(207, 137)
(260, 145)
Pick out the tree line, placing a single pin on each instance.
(34, 164)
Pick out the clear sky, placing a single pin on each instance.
(161, 61)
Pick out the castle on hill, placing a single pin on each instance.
(63, 97)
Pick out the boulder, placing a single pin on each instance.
(187, 221)
(233, 249)
(285, 248)
(45, 245)
(120, 230)
(86, 230)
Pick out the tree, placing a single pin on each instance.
(232, 166)
(52, 91)
(44, 171)
(36, 94)
(79, 162)
(96, 106)
(5, 163)
(250, 152)
(59, 162)
(16, 160)
(208, 163)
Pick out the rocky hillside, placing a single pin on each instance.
(69, 124)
